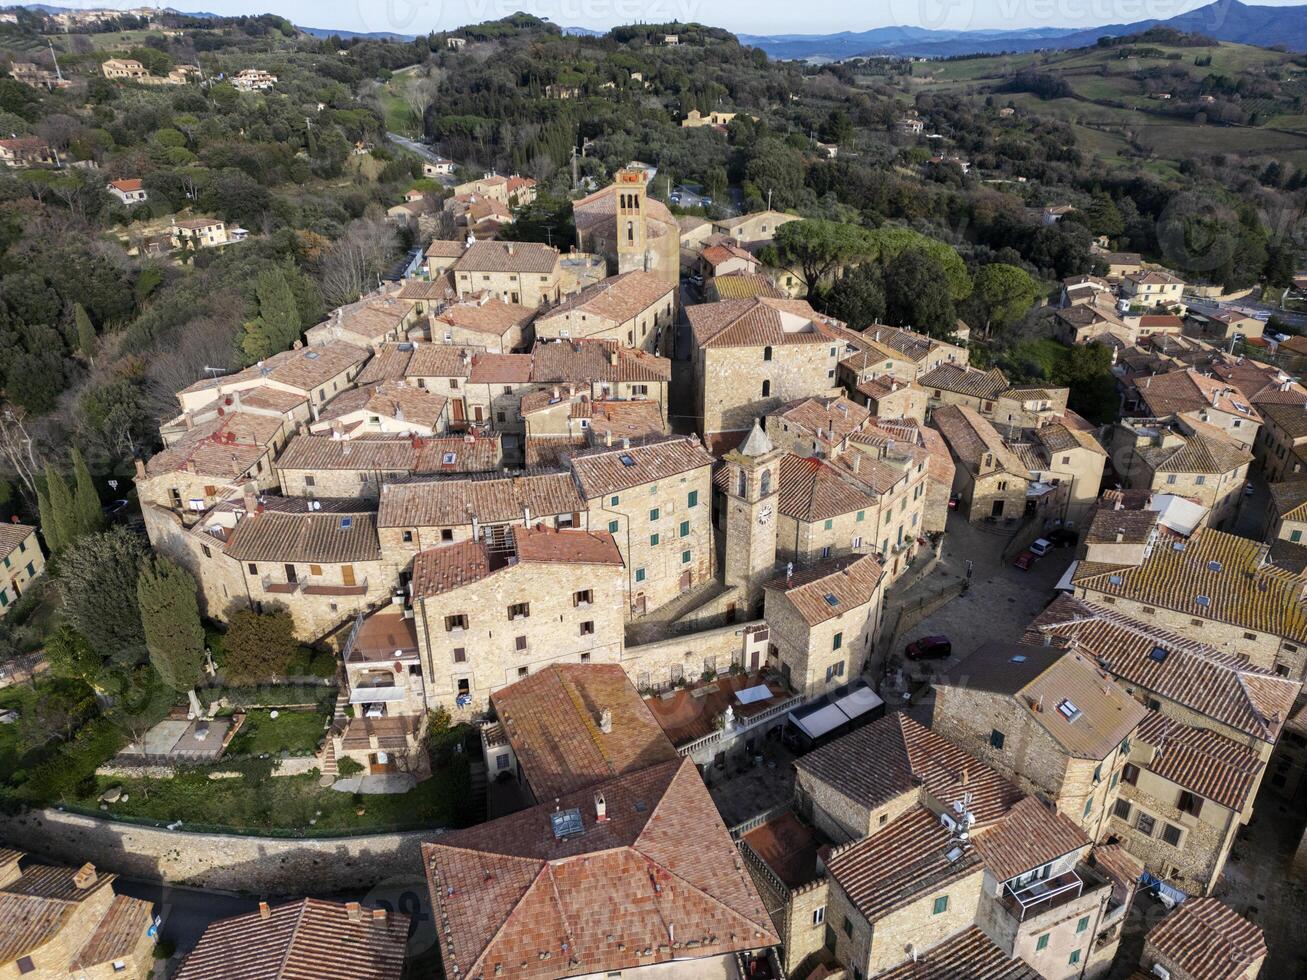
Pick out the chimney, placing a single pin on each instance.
(251, 502)
(264, 911)
(601, 808)
(1120, 536)
(85, 876)
(606, 722)
(379, 917)
(353, 911)
(140, 469)
(188, 420)
(612, 356)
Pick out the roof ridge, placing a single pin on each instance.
(290, 942)
(499, 930)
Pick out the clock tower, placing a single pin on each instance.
(753, 472)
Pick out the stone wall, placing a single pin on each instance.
(730, 381)
(654, 665)
(262, 865)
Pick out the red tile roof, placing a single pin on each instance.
(611, 470)
(1208, 941)
(849, 582)
(304, 940)
(658, 880)
(970, 955)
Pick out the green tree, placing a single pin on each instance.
(817, 248)
(892, 240)
(1103, 216)
(45, 514)
(259, 645)
(86, 500)
(1004, 294)
(917, 294)
(69, 655)
(857, 296)
(170, 620)
(85, 332)
(278, 324)
(63, 510)
(97, 584)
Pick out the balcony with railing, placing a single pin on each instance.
(316, 585)
(274, 586)
(1039, 897)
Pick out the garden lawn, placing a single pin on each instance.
(296, 732)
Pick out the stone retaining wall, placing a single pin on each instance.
(258, 865)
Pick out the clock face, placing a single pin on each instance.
(764, 515)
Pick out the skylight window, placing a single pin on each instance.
(831, 600)
(448, 459)
(1213, 566)
(1178, 546)
(346, 523)
(1020, 658)
(627, 459)
(1115, 579)
(1068, 709)
(566, 823)
(1203, 601)
(1158, 654)
(312, 355)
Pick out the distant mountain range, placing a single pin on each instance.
(1224, 20)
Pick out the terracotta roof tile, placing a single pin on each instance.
(970, 955)
(326, 538)
(611, 470)
(1029, 836)
(618, 298)
(388, 399)
(850, 582)
(116, 935)
(530, 257)
(563, 361)
(1201, 761)
(965, 381)
(488, 500)
(971, 437)
(761, 322)
(393, 454)
(489, 316)
(813, 490)
(1208, 940)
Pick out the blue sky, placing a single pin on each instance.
(741, 16)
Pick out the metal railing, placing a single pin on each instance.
(753, 823)
(741, 725)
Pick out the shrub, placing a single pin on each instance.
(346, 766)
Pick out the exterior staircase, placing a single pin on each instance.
(327, 759)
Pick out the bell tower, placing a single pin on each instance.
(751, 497)
(632, 233)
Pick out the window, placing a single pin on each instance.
(458, 621)
(1083, 924)
(766, 389)
(1145, 824)
(519, 610)
(685, 558)
(829, 524)
(588, 628)
(692, 499)
(1170, 478)
(1250, 636)
(523, 671)
(25, 965)
(1189, 803)
(653, 539)
(460, 655)
(583, 598)
(639, 574)
(1295, 536)
(614, 501)
(1116, 778)
(996, 739)
(766, 353)
(612, 527)
(254, 569)
(819, 915)
(519, 642)
(941, 905)
(1121, 810)
(1040, 944)
(848, 927)
(837, 641)
(685, 529)
(861, 514)
(203, 547)
(1098, 773)
(308, 482)
(1089, 806)
(1074, 958)
(1171, 834)
(501, 761)
(408, 537)
(653, 514)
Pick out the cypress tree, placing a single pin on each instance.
(86, 501)
(170, 619)
(63, 514)
(85, 332)
(48, 527)
(278, 324)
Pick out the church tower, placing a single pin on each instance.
(751, 498)
(632, 233)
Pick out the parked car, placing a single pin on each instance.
(1064, 537)
(1041, 547)
(953, 500)
(1024, 560)
(1249, 490)
(928, 648)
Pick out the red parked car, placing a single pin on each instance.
(928, 648)
(1024, 560)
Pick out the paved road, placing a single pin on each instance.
(421, 149)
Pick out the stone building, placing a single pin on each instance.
(626, 837)
(1204, 939)
(752, 356)
(1281, 445)
(61, 922)
(23, 561)
(819, 427)
(655, 499)
(315, 373)
(387, 691)
(1213, 588)
(821, 512)
(489, 612)
(635, 309)
(893, 352)
(1149, 288)
(938, 858)
(1045, 718)
(823, 622)
(379, 318)
(1030, 407)
(887, 397)
(952, 384)
(485, 323)
(1064, 453)
(990, 479)
(1197, 397)
(1286, 530)
(631, 230)
(1173, 456)
(308, 937)
(521, 273)
(325, 466)
(392, 408)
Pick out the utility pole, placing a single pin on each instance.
(575, 171)
(57, 73)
